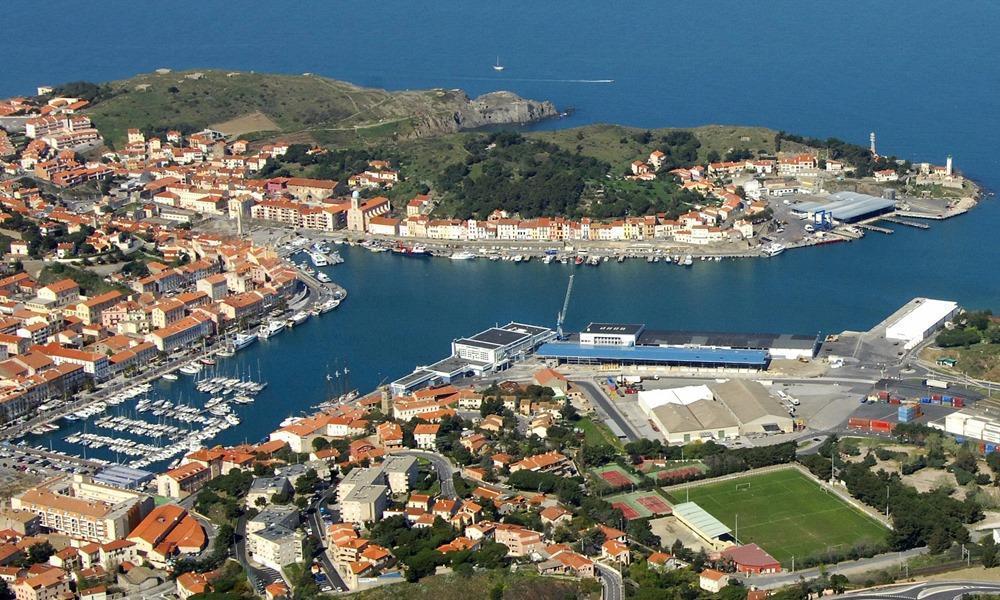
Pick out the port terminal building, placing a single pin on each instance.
(489, 351)
(634, 344)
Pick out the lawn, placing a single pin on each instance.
(786, 513)
(598, 433)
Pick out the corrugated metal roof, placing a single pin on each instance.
(653, 354)
(845, 206)
(696, 517)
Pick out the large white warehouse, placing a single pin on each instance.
(922, 317)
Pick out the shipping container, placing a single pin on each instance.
(958, 402)
(936, 397)
(880, 425)
(883, 395)
(925, 400)
(946, 401)
(894, 400)
(905, 418)
(990, 448)
(960, 439)
(936, 383)
(856, 423)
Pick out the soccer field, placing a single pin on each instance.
(786, 513)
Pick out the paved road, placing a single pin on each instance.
(259, 578)
(889, 562)
(611, 581)
(596, 396)
(937, 590)
(442, 466)
(319, 531)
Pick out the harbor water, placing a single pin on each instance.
(816, 71)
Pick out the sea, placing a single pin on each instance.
(921, 76)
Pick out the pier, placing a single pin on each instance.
(898, 221)
(870, 227)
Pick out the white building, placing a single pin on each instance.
(919, 319)
(275, 546)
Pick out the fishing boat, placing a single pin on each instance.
(578, 261)
(462, 255)
(498, 67)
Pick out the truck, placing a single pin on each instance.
(936, 383)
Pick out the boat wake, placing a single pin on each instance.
(533, 80)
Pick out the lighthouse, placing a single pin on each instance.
(947, 166)
(871, 139)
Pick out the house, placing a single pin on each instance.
(751, 559)
(555, 515)
(547, 462)
(712, 581)
(616, 551)
(662, 561)
(425, 435)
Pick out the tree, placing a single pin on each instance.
(988, 548)
(39, 553)
(939, 541)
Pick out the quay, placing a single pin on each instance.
(870, 227)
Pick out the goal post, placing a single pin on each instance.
(743, 487)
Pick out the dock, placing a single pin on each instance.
(870, 227)
(898, 221)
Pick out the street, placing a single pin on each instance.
(943, 590)
(611, 581)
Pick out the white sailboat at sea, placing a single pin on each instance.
(498, 66)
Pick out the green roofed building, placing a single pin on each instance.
(702, 524)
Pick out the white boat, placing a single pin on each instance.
(329, 305)
(498, 66)
(323, 277)
(191, 369)
(318, 260)
(298, 318)
(688, 261)
(271, 328)
(170, 377)
(242, 340)
(772, 250)
(462, 255)
(226, 353)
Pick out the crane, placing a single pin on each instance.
(562, 314)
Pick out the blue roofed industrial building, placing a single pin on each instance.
(846, 207)
(575, 352)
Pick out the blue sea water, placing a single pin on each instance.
(921, 75)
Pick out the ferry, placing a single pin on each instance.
(242, 340)
(271, 328)
(462, 255)
(318, 260)
(170, 376)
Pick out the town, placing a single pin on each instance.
(617, 461)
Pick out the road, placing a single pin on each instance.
(319, 531)
(259, 577)
(611, 581)
(888, 562)
(937, 590)
(595, 395)
(442, 466)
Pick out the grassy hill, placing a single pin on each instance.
(620, 145)
(303, 108)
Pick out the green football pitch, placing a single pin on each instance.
(786, 513)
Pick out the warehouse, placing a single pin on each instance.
(722, 411)
(777, 345)
(846, 207)
(918, 319)
(707, 358)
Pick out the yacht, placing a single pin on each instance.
(242, 340)
(773, 249)
(191, 369)
(462, 255)
(170, 376)
(329, 305)
(318, 259)
(271, 328)
(298, 318)
(323, 277)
